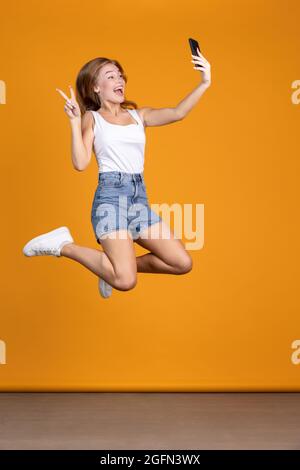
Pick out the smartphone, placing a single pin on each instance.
(194, 45)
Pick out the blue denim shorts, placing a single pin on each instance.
(121, 202)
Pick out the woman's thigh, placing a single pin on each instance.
(160, 240)
(119, 248)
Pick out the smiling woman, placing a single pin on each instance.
(101, 119)
(94, 80)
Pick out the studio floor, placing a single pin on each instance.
(149, 421)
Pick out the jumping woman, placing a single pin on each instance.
(104, 122)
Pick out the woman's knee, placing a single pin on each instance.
(126, 280)
(184, 264)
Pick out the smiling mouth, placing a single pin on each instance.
(119, 92)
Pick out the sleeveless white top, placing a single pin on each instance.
(119, 147)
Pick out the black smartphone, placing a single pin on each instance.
(194, 45)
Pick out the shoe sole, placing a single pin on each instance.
(110, 291)
(51, 235)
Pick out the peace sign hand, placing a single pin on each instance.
(203, 65)
(71, 106)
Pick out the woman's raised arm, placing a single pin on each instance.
(82, 131)
(163, 116)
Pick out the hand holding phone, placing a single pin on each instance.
(200, 62)
(194, 45)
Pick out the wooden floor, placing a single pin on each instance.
(149, 421)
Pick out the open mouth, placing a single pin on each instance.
(119, 92)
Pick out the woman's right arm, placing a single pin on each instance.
(82, 141)
(81, 131)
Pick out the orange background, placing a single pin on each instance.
(228, 324)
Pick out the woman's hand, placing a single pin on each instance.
(203, 65)
(71, 106)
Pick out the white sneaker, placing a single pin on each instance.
(49, 243)
(105, 289)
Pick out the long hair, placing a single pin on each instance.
(86, 80)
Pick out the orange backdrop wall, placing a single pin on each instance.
(232, 323)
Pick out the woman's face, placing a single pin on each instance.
(110, 79)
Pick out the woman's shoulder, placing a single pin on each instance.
(140, 113)
(88, 114)
(88, 119)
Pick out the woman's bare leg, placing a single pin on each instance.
(167, 253)
(118, 264)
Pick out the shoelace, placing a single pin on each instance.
(45, 250)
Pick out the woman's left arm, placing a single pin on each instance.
(163, 116)
(185, 106)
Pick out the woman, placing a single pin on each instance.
(101, 120)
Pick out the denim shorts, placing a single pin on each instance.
(121, 202)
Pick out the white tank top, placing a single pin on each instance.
(119, 147)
